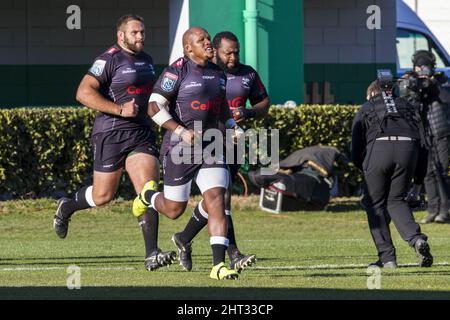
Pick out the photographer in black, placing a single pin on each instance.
(386, 141)
(423, 88)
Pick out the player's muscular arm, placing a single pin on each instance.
(258, 110)
(88, 94)
(261, 108)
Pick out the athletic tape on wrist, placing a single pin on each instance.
(161, 117)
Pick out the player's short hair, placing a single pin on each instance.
(223, 35)
(128, 17)
(373, 88)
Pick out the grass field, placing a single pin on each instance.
(301, 255)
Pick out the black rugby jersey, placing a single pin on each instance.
(195, 93)
(242, 85)
(123, 76)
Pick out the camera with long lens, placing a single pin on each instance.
(423, 83)
(417, 83)
(385, 79)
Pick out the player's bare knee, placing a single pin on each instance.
(102, 198)
(213, 198)
(174, 211)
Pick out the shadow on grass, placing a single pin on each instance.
(83, 260)
(343, 207)
(202, 293)
(67, 257)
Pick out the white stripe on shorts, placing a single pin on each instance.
(208, 178)
(178, 193)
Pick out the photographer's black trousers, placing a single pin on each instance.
(388, 171)
(436, 181)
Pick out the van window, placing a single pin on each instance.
(409, 41)
(439, 62)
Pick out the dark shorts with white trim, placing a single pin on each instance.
(112, 148)
(179, 171)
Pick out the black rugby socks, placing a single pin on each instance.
(149, 223)
(196, 223)
(81, 200)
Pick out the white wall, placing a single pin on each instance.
(436, 15)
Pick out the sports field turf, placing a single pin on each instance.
(301, 255)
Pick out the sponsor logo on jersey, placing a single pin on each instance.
(171, 76)
(168, 81)
(236, 102)
(128, 70)
(144, 89)
(139, 63)
(98, 67)
(246, 83)
(208, 77)
(193, 84)
(213, 105)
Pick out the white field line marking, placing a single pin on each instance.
(304, 267)
(333, 240)
(338, 266)
(64, 268)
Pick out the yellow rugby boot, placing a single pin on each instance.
(221, 272)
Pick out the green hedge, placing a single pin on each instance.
(44, 151)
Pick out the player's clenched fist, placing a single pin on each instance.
(129, 109)
(187, 135)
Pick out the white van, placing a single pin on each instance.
(412, 35)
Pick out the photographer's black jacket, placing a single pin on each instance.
(366, 129)
(433, 100)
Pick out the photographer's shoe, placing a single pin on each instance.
(423, 253)
(442, 218)
(429, 218)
